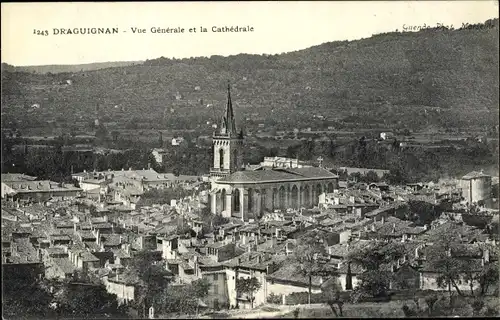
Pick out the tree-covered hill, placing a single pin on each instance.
(435, 77)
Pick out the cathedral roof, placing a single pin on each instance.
(278, 175)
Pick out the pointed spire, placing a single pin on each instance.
(229, 123)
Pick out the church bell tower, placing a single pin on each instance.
(227, 144)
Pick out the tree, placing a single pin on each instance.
(248, 287)
(308, 252)
(199, 290)
(24, 296)
(185, 299)
(101, 132)
(88, 301)
(431, 301)
(331, 292)
(370, 176)
(442, 260)
(374, 281)
(152, 277)
(487, 277)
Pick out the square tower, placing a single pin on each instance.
(227, 145)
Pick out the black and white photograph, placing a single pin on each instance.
(250, 159)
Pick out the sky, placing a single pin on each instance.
(278, 27)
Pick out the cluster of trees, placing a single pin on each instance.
(56, 164)
(420, 212)
(186, 160)
(368, 177)
(25, 296)
(377, 281)
(405, 164)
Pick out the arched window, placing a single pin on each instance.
(295, 197)
(250, 200)
(237, 200)
(282, 198)
(221, 158)
(223, 200)
(235, 159)
(330, 187)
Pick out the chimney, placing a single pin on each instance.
(74, 226)
(98, 237)
(426, 227)
(486, 256)
(373, 228)
(417, 252)
(405, 237)
(117, 276)
(394, 228)
(383, 219)
(259, 258)
(249, 248)
(277, 233)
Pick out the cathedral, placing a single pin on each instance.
(248, 194)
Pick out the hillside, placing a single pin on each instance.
(433, 78)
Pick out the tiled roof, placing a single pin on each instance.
(475, 175)
(471, 265)
(292, 272)
(251, 260)
(111, 240)
(355, 268)
(88, 257)
(207, 261)
(306, 173)
(40, 186)
(8, 177)
(218, 245)
(92, 245)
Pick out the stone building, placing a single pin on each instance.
(247, 194)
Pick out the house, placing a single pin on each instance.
(158, 154)
(38, 191)
(215, 273)
(475, 264)
(288, 279)
(221, 251)
(247, 265)
(123, 287)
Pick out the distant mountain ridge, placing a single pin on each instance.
(434, 77)
(61, 68)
